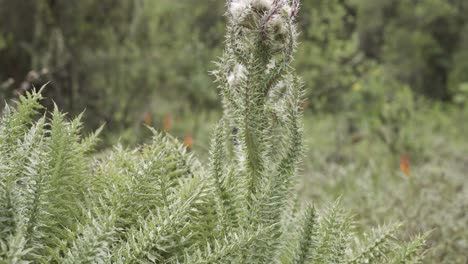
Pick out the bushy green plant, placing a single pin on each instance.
(157, 203)
(44, 176)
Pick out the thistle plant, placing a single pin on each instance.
(157, 203)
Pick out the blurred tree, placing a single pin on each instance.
(419, 43)
(112, 57)
(329, 56)
(416, 40)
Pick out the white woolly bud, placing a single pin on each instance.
(262, 5)
(277, 31)
(238, 7)
(276, 23)
(237, 75)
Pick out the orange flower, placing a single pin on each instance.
(404, 164)
(188, 141)
(147, 118)
(167, 122)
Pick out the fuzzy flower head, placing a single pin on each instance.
(245, 12)
(238, 7)
(269, 17)
(262, 5)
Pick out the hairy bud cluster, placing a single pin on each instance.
(268, 17)
(253, 14)
(238, 8)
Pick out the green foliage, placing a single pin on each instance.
(419, 41)
(461, 95)
(157, 203)
(43, 179)
(385, 106)
(420, 44)
(330, 57)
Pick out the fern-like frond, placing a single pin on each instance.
(222, 178)
(42, 179)
(230, 249)
(381, 243)
(308, 237)
(14, 124)
(334, 236)
(93, 239)
(411, 252)
(163, 234)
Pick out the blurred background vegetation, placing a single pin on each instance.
(386, 92)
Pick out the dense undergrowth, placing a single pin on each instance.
(157, 203)
(359, 156)
(432, 195)
(348, 157)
